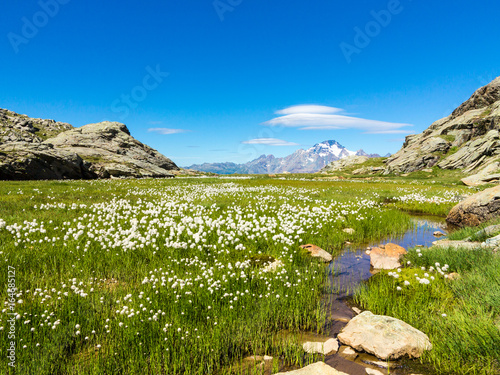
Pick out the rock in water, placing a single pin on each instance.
(329, 346)
(386, 257)
(318, 368)
(476, 209)
(384, 336)
(318, 252)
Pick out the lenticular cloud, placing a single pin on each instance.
(318, 117)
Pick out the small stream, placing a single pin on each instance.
(352, 267)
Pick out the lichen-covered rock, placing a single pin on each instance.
(476, 209)
(45, 149)
(341, 164)
(36, 161)
(467, 139)
(489, 174)
(384, 336)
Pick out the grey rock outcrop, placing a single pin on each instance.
(490, 174)
(476, 209)
(345, 163)
(113, 151)
(384, 336)
(468, 139)
(45, 149)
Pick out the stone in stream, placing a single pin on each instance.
(386, 257)
(326, 347)
(384, 336)
(318, 368)
(348, 353)
(476, 209)
(318, 252)
(438, 234)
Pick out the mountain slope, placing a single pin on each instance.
(301, 161)
(468, 139)
(45, 149)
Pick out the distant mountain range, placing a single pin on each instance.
(301, 161)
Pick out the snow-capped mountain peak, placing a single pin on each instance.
(301, 161)
(331, 147)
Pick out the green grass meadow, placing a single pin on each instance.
(192, 275)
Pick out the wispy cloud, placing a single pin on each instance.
(390, 132)
(316, 117)
(166, 131)
(269, 142)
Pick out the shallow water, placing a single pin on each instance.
(352, 265)
(350, 268)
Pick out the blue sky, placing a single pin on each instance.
(205, 80)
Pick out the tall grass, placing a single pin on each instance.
(460, 316)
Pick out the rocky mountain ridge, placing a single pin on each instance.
(301, 161)
(468, 139)
(45, 149)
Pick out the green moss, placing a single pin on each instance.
(447, 137)
(487, 112)
(452, 150)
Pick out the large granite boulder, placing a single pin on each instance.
(318, 368)
(476, 209)
(384, 336)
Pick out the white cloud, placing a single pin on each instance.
(402, 131)
(308, 108)
(269, 142)
(314, 117)
(166, 131)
